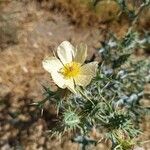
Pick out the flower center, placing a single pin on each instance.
(70, 69)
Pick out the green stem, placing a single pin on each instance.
(85, 96)
(141, 8)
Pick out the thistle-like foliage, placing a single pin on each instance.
(111, 102)
(131, 13)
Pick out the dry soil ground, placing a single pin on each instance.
(28, 33)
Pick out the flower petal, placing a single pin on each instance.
(83, 80)
(52, 64)
(80, 53)
(65, 52)
(58, 79)
(70, 85)
(88, 71)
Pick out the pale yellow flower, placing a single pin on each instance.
(69, 70)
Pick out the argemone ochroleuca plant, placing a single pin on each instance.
(68, 69)
(110, 104)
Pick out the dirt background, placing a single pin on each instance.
(29, 31)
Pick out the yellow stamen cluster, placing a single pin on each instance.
(70, 70)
